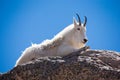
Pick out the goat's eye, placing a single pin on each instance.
(78, 28)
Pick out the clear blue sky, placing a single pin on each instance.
(26, 21)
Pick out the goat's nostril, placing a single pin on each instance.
(85, 40)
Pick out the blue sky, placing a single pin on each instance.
(26, 21)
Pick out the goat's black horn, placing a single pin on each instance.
(85, 21)
(79, 19)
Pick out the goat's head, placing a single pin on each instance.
(80, 30)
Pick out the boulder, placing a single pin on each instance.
(85, 64)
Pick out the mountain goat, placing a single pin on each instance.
(68, 40)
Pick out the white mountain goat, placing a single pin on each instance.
(68, 40)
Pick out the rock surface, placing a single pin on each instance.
(84, 64)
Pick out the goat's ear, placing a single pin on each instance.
(74, 21)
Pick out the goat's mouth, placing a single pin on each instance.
(84, 42)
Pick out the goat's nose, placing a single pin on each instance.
(85, 40)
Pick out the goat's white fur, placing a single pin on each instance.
(65, 42)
